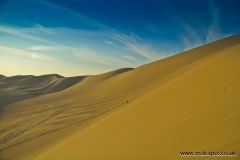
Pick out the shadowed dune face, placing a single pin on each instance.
(2, 77)
(17, 88)
(187, 102)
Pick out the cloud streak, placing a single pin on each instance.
(131, 58)
(88, 54)
(194, 31)
(191, 38)
(29, 54)
(142, 49)
(85, 21)
(27, 33)
(47, 48)
(214, 31)
(110, 43)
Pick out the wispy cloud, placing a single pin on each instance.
(194, 31)
(80, 18)
(191, 38)
(109, 42)
(132, 44)
(188, 29)
(29, 54)
(144, 51)
(152, 29)
(45, 30)
(131, 58)
(214, 31)
(91, 55)
(27, 33)
(47, 48)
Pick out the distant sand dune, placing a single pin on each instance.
(13, 89)
(187, 102)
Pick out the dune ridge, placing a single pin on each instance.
(175, 104)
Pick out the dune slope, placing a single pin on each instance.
(197, 110)
(187, 102)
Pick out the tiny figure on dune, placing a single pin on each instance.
(127, 101)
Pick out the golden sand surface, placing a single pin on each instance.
(187, 102)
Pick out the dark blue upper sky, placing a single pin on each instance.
(91, 34)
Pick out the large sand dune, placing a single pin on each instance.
(187, 102)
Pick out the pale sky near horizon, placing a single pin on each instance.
(86, 37)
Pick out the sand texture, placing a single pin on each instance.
(187, 102)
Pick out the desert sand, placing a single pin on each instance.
(187, 102)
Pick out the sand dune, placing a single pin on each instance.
(16, 88)
(187, 102)
(2, 77)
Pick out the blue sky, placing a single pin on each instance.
(86, 37)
